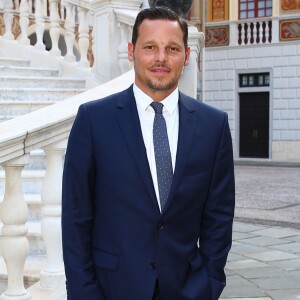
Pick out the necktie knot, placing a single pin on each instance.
(158, 107)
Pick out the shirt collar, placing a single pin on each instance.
(143, 100)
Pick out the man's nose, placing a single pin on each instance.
(161, 55)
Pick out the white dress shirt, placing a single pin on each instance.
(146, 115)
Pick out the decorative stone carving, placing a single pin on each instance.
(218, 10)
(290, 5)
(181, 7)
(290, 30)
(217, 36)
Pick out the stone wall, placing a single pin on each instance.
(282, 61)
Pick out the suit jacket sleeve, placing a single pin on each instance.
(77, 212)
(216, 232)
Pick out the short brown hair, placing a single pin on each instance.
(158, 13)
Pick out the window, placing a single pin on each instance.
(254, 79)
(250, 9)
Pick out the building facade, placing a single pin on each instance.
(251, 69)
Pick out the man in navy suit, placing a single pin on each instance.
(133, 229)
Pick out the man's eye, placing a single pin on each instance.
(173, 49)
(149, 47)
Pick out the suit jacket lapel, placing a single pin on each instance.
(128, 118)
(187, 125)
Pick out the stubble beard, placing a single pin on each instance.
(161, 85)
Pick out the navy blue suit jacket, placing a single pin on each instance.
(116, 242)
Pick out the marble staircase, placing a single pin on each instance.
(24, 89)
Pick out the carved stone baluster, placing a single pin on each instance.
(24, 22)
(70, 29)
(62, 10)
(260, 32)
(40, 25)
(30, 6)
(45, 5)
(54, 27)
(8, 19)
(255, 33)
(53, 274)
(267, 31)
(14, 243)
(123, 53)
(83, 37)
(243, 36)
(248, 33)
(16, 5)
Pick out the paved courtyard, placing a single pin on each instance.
(264, 262)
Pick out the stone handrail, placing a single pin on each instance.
(50, 124)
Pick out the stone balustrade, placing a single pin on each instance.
(59, 18)
(258, 31)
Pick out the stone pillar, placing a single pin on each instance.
(14, 243)
(8, 19)
(70, 32)
(53, 274)
(40, 25)
(106, 43)
(190, 78)
(84, 36)
(54, 28)
(24, 22)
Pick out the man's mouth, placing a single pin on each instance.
(160, 69)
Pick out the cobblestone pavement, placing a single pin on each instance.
(264, 262)
(268, 195)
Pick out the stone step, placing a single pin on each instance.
(5, 61)
(38, 94)
(27, 71)
(39, 82)
(17, 108)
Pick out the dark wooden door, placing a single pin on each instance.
(254, 125)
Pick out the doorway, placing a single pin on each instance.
(254, 125)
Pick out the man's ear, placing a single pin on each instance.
(131, 52)
(187, 56)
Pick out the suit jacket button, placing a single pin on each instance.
(153, 266)
(160, 226)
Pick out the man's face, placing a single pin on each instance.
(159, 56)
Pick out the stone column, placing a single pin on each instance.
(190, 78)
(54, 27)
(8, 19)
(53, 274)
(24, 22)
(106, 43)
(14, 243)
(84, 36)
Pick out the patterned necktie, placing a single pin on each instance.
(162, 154)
